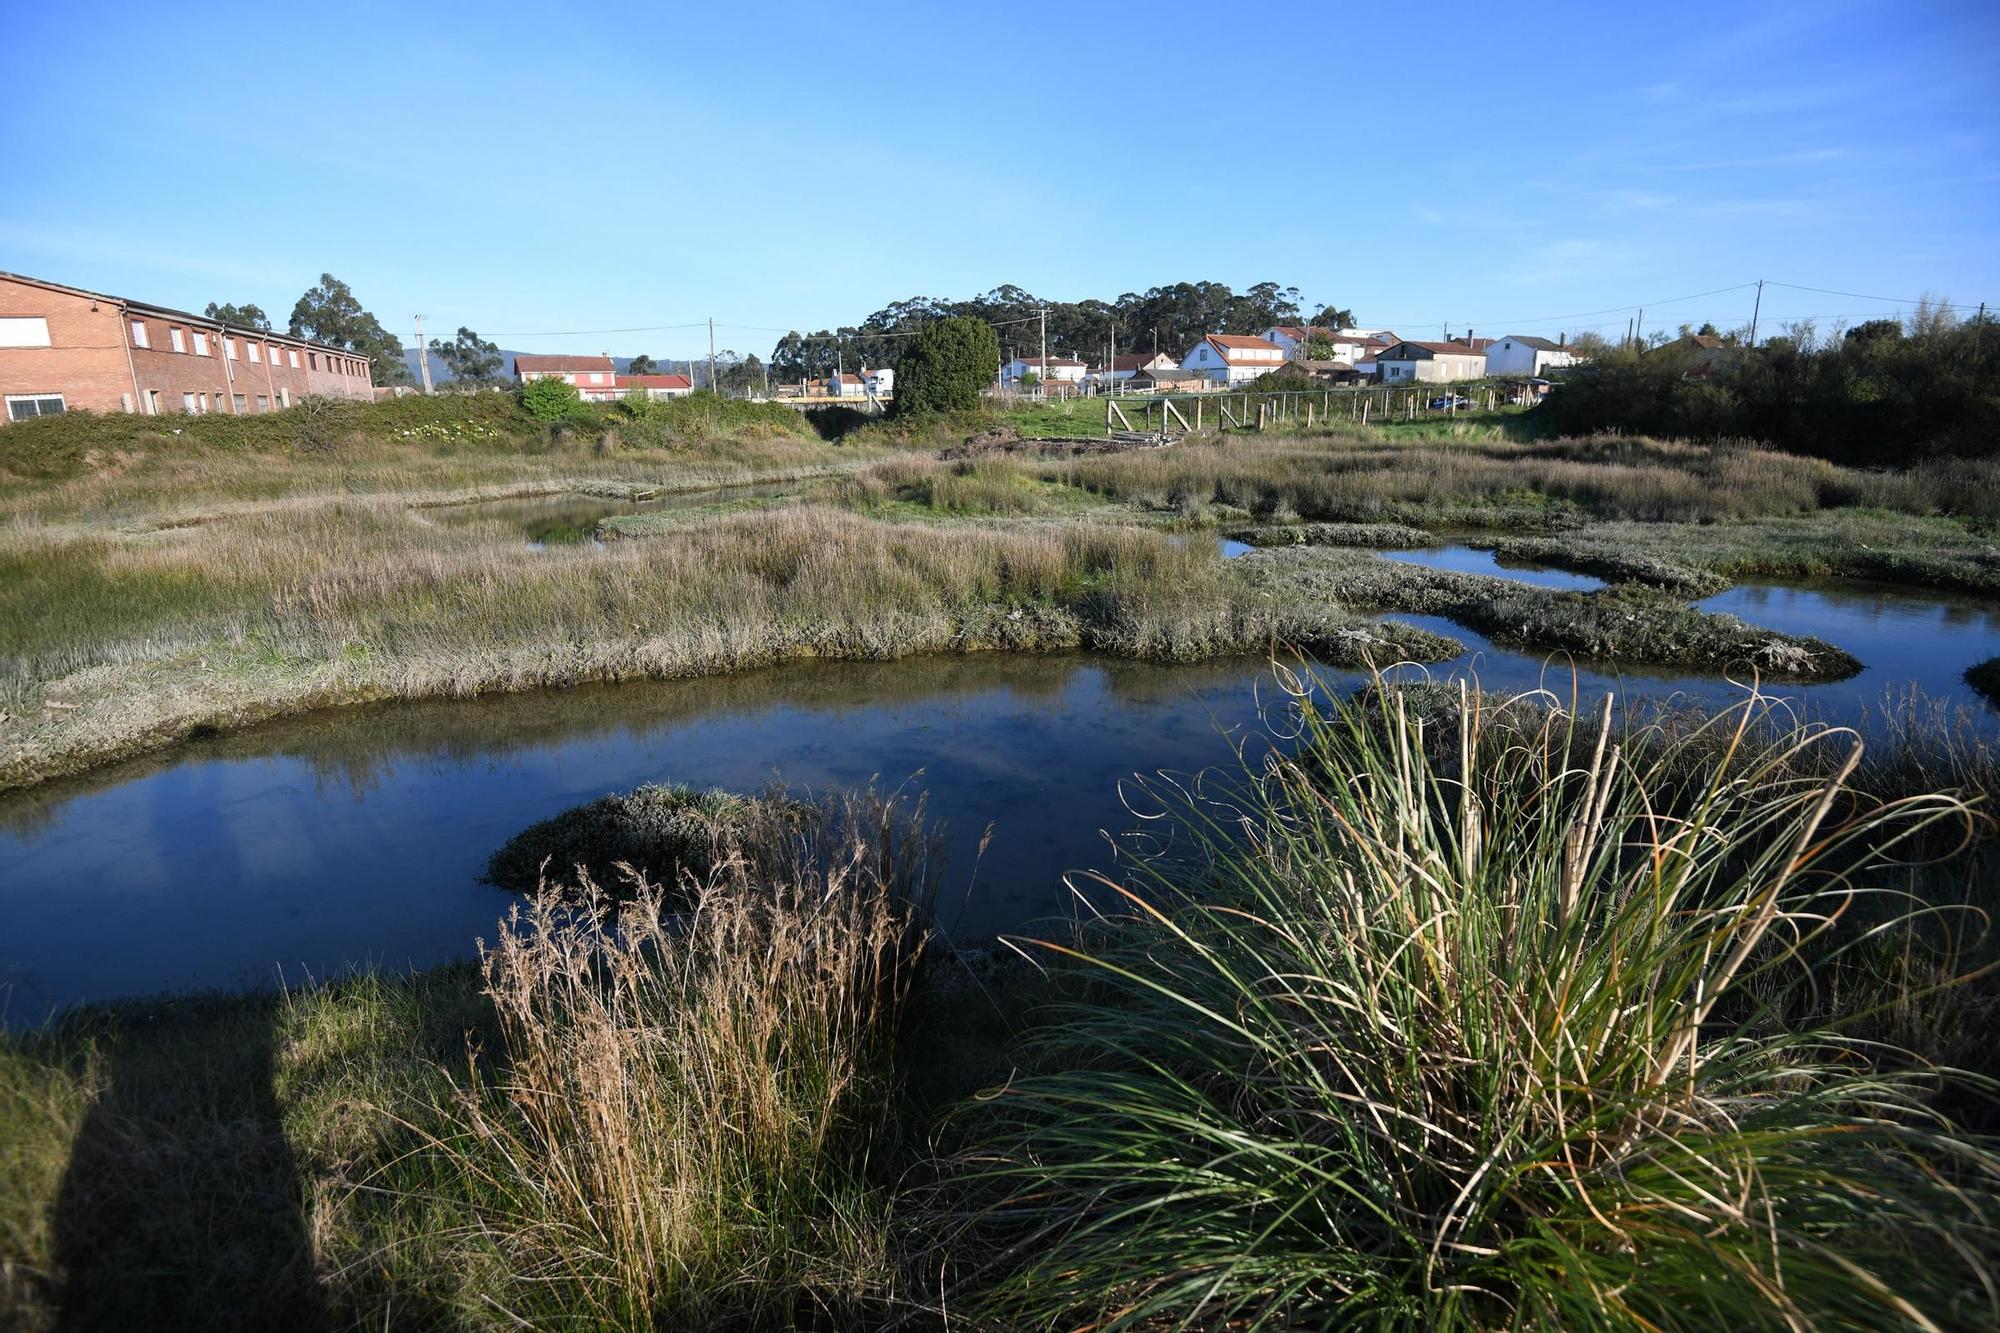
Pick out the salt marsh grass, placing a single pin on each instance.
(1502, 1027)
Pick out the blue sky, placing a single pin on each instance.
(528, 170)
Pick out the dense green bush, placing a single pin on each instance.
(550, 399)
(1874, 397)
(946, 367)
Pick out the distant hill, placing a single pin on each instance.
(439, 374)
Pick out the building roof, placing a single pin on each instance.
(1437, 349)
(525, 362)
(1303, 332)
(1474, 344)
(843, 379)
(655, 382)
(184, 316)
(1175, 373)
(1539, 344)
(1136, 360)
(1240, 342)
(1053, 361)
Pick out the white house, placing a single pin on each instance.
(1231, 358)
(656, 386)
(1519, 354)
(1293, 338)
(846, 386)
(1429, 363)
(1123, 367)
(1060, 369)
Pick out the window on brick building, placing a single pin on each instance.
(21, 406)
(190, 402)
(200, 343)
(263, 403)
(240, 404)
(295, 358)
(152, 402)
(24, 331)
(256, 358)
(312, 360)
(229, 348)
(139, 333)
(178, 339)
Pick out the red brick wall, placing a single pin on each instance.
(85, 361)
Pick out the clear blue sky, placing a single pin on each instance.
(524, 171)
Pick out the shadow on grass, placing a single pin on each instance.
(182, 1205)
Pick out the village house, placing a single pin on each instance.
(1429, 363)
(1294, 338)
(1522, 354)
(1059, 369)
(1169, 378)
(1124, 366)
(595, 377)
(64, 349)
(656, 386)
(846, 386)
(1230, 358)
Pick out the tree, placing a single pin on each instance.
(945, 366)
(329, 314)
(242, 316)
(1334, 317)
(1319, 348)
(470, 359)
(643, 365)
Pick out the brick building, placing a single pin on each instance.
(63, 350)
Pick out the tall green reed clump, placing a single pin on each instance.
(1474, 1026)
(680, 1127)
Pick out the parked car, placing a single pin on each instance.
(1447, 402)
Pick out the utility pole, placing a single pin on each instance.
(711, 353)
(423, 355)
(1045, 349)
(1628, 333)
(1637, 325)
(1755, 311)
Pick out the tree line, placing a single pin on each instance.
(1884, 392)
(1168, 318)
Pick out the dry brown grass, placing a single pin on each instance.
(679, 1132)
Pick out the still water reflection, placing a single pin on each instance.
(357, 837)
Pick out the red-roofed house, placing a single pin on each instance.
(1232, 358)
(656, 386)
(595, 377)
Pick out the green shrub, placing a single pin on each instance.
(550, 399)
(945, 367)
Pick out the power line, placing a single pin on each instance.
(1863, 296)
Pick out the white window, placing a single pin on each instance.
(139, 333)
(21, 406)
(178, 339)
(190, 402)
(263, 403)
(256, 358)
(237, 400)
(295, 358)
(284, 398)
(597, 379)
(229, 347)
(200, 343)
(24, 331)
(152, 402)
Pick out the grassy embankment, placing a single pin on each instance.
(1503, 1020)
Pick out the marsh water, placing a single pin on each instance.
(357, 837)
